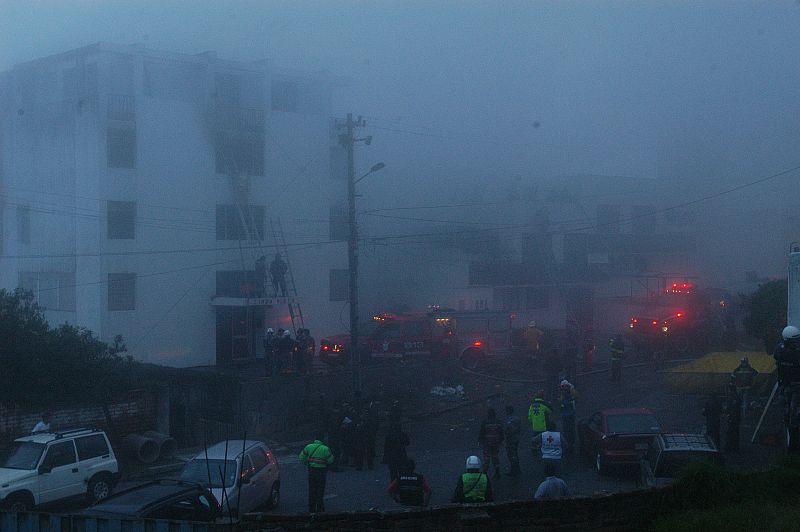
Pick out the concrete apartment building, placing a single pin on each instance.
(138, 188)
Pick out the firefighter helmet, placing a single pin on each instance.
(744, 361)
(790, 332)
(270, 331)
(287, 334)
(473, 462)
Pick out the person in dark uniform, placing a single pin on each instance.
(490, 437)
(617, 354)
(734, 411)
(394, 450)
(410, 488)
(261, 276)
(512, 429)
(278, 269)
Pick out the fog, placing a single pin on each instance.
(468, 100)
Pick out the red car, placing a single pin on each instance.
(617, 436)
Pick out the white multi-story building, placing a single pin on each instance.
(138, 188)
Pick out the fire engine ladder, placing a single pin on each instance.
(278, 236)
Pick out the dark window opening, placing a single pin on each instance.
(121, 220)
(239, 154)
(121, 147)
(121, 291)
(24, 224)
(230, 227)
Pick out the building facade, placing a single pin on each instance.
(139, 188)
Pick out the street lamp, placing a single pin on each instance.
(375, 168)
(352, 265)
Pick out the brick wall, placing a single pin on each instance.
(136, 413)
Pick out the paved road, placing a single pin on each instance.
(441, 444)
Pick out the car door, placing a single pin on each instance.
(59, 475)
(592, 433)
(244, 494)
(259, 485)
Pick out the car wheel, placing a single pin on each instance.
(599, 463)
(274, 495)
(99, 487)
(19, 503)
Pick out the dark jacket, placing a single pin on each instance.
(491, 432)
(394, 448)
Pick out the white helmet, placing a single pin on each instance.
(287, 334)
(473, 462)
(532, 324)
(790, 332)
(270, 331)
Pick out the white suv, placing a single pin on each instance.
(47, 467)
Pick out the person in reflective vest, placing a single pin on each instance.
(318, 458)
(410, 488)
(539, 413)
(617, 347)
(473, 486)
(551, 445)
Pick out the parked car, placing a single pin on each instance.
(668, 454)
(160, 499)
(244, 475)
(617, 436)
(48, 467)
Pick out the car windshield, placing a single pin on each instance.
(199, 470)
(22, 455)
(633, 424)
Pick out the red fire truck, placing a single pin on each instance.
(680, 320)
(469, 336)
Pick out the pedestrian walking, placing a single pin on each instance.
(512, 429)
(474, 485)
(539, 414)
(410, 488)
(270, 347)
(317, 457)
(394, 450)
(617, 354)
(490, 437)
(552, 486)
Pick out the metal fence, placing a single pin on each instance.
(40, 522)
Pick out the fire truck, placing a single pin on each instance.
(678, 321)
(472, 337)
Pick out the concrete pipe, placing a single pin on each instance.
(167, 446)
(140, 447)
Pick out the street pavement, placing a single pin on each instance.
(440, 445)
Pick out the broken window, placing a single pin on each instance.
(121, 220)
(229, 222)
(121, 291)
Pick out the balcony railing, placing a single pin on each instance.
(239, 119)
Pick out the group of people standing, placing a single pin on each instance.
(284, 354)
(277, 273)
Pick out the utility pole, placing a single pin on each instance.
(349, 140)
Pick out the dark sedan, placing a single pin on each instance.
(617, 436)
(174, 500)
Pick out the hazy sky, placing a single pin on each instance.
(477, 92)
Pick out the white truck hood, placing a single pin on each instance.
(9, 477)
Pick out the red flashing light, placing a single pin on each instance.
(679, 314)
(325, 347)
(655, 322)
(477, 343)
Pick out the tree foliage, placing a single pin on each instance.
(766, 312)
(42, 366)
